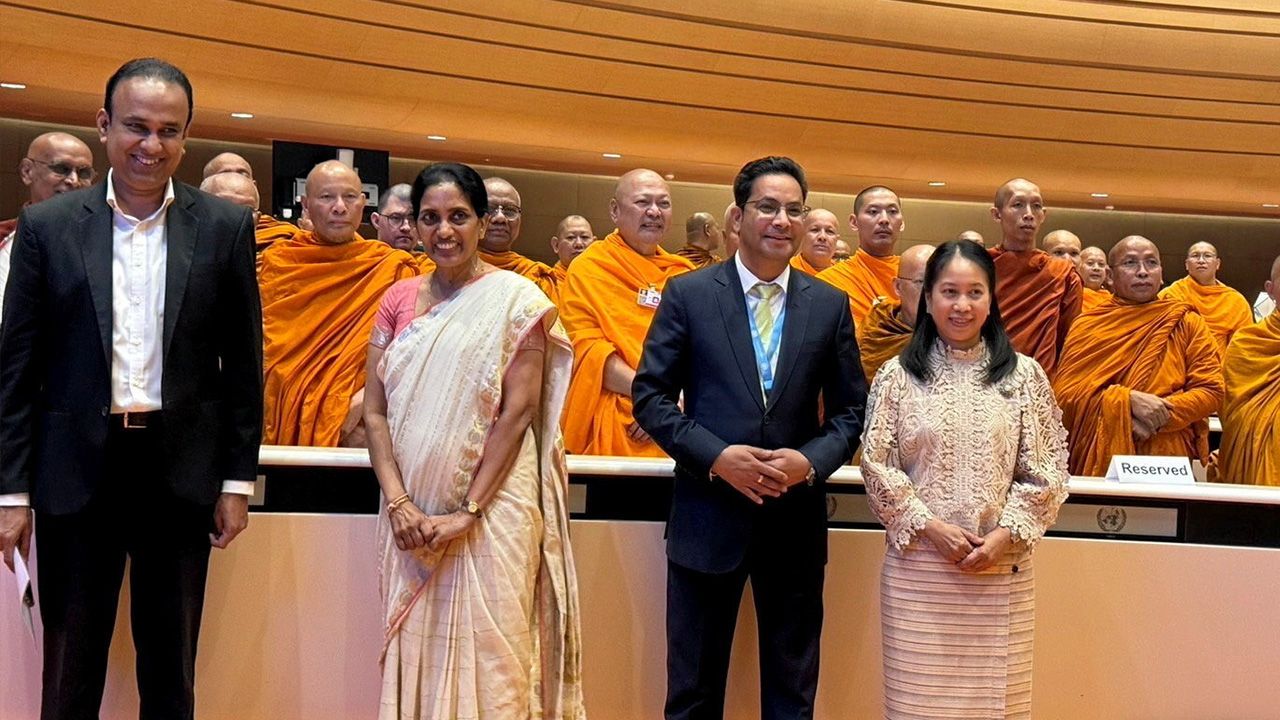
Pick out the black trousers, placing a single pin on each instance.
(702, 611)
(81, 568)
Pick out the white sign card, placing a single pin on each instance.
(1150, 469)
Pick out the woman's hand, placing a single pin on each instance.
(450, 527)
(994, 546)
(952, 541)
(411, 527)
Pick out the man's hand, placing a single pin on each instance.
(993, 547)
(1149, 411)
(746, 468)
(230, 517)
(637, 433)
(791, 462)
(15, 532)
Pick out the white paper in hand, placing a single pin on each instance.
(26, 600)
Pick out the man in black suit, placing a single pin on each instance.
(761, 353)
(130, 400)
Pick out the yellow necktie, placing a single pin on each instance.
(764, 294)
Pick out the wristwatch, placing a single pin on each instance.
(810, 476)
(471, 507)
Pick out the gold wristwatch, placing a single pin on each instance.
(471, 507)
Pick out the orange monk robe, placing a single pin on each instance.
(1250, 451)
(318, 304)
(696, 255)
(426, 265)
(559, 276)
(1092, 299)
(539, 273)
(882, 335)
(1039, 296)
(798, 262)
(863, 277)
(1221, 306)
(600, 310)
(270, 230)
(1163, 348)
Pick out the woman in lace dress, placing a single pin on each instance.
(965, 463)
(468, 370)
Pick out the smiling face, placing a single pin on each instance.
(1136, 274)
(145, 135)
(959, 302)
(767, 241)
(448, 225)
(641, 209)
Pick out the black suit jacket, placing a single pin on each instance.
(700, 344)
(55, 349)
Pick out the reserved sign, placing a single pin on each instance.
(1150, 469)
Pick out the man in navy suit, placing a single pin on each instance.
(773, 402)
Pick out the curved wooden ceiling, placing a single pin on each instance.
(1163, 104)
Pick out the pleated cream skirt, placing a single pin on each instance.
(956, 644)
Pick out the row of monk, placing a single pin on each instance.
(1137, 367)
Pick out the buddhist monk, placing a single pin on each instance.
(320, 291)
(55, 163)
(730, 231)
(573, 235)
(608, 302)
(841, 251)
(972, 236)
(228, 162)
(1064, 244)
(869, 273)
(703, 235)
(1093, 273)
(889, 326)
(505, 218)
(1039, 294)
(1139, 375)
(394, 219)
(234, 188)
(1250, 451)
(818, 246)
(1221, 306)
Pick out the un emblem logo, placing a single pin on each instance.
(831, 506)
(1111, 519)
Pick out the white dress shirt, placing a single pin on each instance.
(776, 303)
(139, 253)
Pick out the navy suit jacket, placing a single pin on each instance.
(55, 349)
(699, 344)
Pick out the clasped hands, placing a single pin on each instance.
(758, 473)
(1150, 413)
(969, 551)
(414, 529)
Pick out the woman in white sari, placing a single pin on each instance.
(467, 373)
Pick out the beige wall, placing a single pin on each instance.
(1248, 245)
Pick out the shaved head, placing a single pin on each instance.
(233, 187)
(1019, 210)
(1273, 285)
(1136, 274)
(573, 235)
(501, 232)
(56, 163)
(1203, 263)
(702, 231)
(228, 162)
(821, 231)
(842, 251)
(972, 236)
(1093, 267)
(641, 209)
(1064, 244)
(334, 202)
(911, 270)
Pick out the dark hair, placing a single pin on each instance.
(861, 199)
(151, 69)
(1001, 358)
(464, 176)
(771, 165)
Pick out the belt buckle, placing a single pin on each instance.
(134, 421)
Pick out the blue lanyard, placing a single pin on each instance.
(764, 360)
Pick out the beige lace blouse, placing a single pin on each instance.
(968, 453)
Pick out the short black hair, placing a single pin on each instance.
(771, 165)
(1001, 357)
(464, 176)
(861, 198)
(152, 69)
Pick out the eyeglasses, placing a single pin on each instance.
(771, 208)
(917, 283)
(1202, 256)
(1133, 265)
(398, 219)
(510, 212)
(64, 170)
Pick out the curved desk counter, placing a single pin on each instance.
(1153, 601)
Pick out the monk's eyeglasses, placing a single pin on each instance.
(64, 170)
(1202, 256)
(510, 212)
(771, 208)
(917, 283)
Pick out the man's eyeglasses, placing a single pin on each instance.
(771, 208)
(917, 283)
(398, 219)
(510, 212)
(63, 170)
